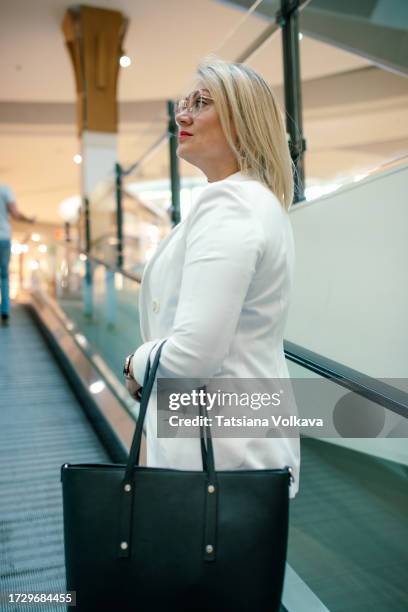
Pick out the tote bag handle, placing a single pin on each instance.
(207, 452)
(207, 455)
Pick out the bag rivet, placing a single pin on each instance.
(127, 487)
(123, 545)
(211, 488)
(209, 548)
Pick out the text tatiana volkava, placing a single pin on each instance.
(243, 421)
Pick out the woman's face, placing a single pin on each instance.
(201, 140)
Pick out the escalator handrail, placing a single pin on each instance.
(389, 397)
(114, 268)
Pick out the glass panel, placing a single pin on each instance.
(354, 116)
(141, 161)
(344, 96)
(146, 207)
(245, 28)
(354, 112)
(101, 305)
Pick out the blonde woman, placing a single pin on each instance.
(218, 287)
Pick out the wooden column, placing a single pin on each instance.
(94, 39)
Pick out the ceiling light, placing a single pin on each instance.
(35, 237)
(125, 61)
(69, 209)
(77, 159)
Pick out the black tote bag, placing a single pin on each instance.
(145, 539)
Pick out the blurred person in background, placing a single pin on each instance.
(8, 207)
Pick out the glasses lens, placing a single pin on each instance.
(193, 103)
(196, 104)
(181, 105)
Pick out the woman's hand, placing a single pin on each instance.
(133, 387)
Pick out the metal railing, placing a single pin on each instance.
(366, 386)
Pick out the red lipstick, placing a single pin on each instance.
(184, 134)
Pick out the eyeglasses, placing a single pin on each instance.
(194, 103)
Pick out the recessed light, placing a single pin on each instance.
(77, 159)
(125, 61)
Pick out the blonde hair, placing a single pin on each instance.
(245, 101)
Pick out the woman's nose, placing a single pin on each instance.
(184, 118)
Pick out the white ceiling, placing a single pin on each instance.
(354, 116)
(165, 39)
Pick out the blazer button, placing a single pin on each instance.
(155, 305)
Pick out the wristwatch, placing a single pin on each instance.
(126, 367)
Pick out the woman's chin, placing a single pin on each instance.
(182, 154)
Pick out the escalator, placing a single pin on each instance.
(347, 529)
(350, 517)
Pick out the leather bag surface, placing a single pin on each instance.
(146, 539)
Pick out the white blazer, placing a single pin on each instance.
(218, 288)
